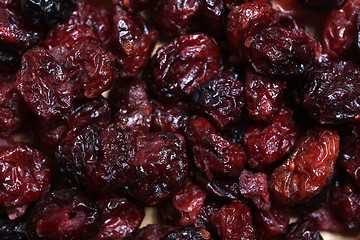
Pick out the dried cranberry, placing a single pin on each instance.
(159, 168)
(345, 202)
(185, 205)
(64, 215)
(120, 217)
(322, 4)
(25, 174)
(340, 31)
(302, 230)
(222, 99)
(151, 232)
(263, 96)
(187, 234)
(47, 13)
(325, 219)
(254, 186)
(308, 169)
(204, 217)
(182, 65)
(213, 17)
(130, 105)
(282, 52)
(331, 94)
(175, 17)
(169, 117)
(212, 153)
(134, 40)
(87, 23)
(44, 84)
(234, 221)
(272, 223)
(248, 19)
(268, 144)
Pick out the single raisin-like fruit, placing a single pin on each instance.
(269, 143)
(64, 215)
(159, 168)
(151, 232)
(44, 84)
(272, 223)
(248, 19)
(263, 96)
(175, 17)
(87, 23)
(322, 4)
(134, 40)
(130, 105)
(182, 65)
(345, 202)
(308, 169)
(332, 93)
(169, 117)
(120, 217)
(25, 176)
(282, 52)
(254, 186)
(234, 221)
(189, 233)
(185, 205)
(13, 109)
(47, 12)
(222, 99)
(302, 230)
(204, 217)
(340, 31)
(212, 153)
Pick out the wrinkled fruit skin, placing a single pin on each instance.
(134, 40)
(213, 154)
(64, 215)
(182, 65)
(281, 52)
(233, 221)
(308, 169)
(332, 93)
(303, 230)
(266, 144)
(47, 13)
(120, 217)
(187, 234)
(159, 167)
(349, 157)
(222, 99)
(44, 85)
(340, 32)
(25, 176)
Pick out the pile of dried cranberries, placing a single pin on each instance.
(238, 121)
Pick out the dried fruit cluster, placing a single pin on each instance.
(239, 120)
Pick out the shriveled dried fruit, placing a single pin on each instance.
(213, 17)
(332, 93)
(25, 176)
(159, 168)
(120, 217)
(308, 169)
(222, 99)
(213, 154)
(340, 31)
(130, 105)
(234, 221)
(175, 17)
(134, 40)
(254, 186)
(45, 12)
(182, 65)
(325, 219)
(268, 144)
(302, 230)
(188, 234)
(64, 215)
(263, 96)
(282, 52)
(44, 84)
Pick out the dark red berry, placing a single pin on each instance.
(187, 234)
(302, 230)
